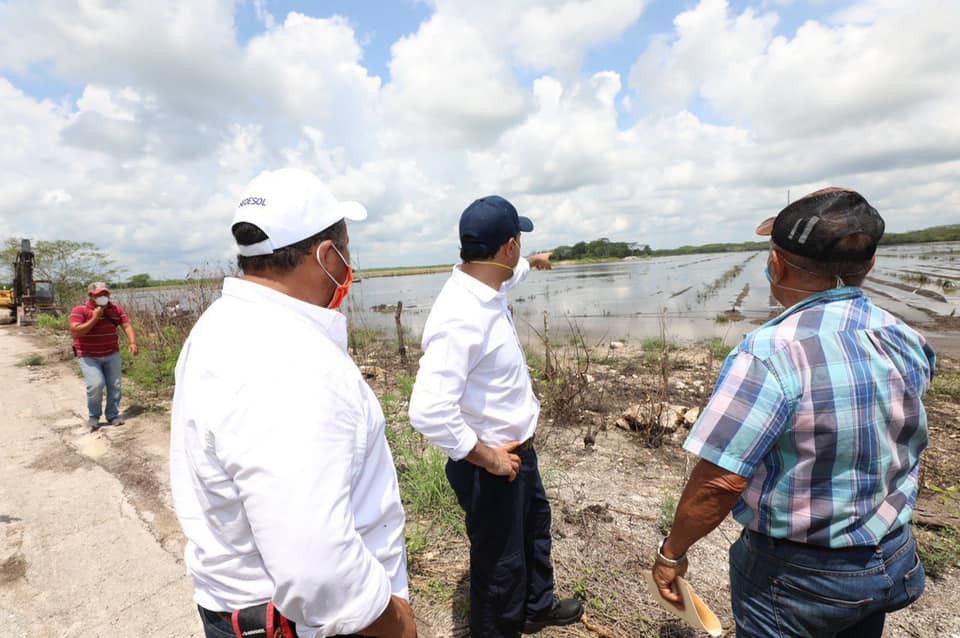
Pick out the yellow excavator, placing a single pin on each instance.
(29, 296)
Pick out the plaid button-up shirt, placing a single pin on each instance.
(821, 408)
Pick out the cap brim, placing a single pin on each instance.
(525, 224)
(353, 211)
(766, 226)
(99, 290)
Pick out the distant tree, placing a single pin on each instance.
(139, 281)
(70, 265)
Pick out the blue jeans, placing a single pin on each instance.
(785, 589)
(102, 373)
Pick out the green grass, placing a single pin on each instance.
(946, 384)
(51, 322)
(717, 347)
(426, 492)
(154, 367)
(31, 360)
(721, 317)
(360, 338)
(939, 551)
(655, 345)
(536, 364)
(406, 385)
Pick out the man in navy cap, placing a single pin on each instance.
(473, 398)
(813, 438)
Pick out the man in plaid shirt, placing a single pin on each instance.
(813, 437)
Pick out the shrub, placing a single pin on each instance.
(31, 360)
(52, 322)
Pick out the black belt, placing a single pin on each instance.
(526, 446)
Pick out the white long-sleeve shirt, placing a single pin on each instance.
(281, 475)
(473, 383)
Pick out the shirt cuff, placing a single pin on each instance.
(466, 444)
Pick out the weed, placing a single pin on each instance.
(31, 360)
(667, 508)
(655, 345)
(938, 550)
(51, 322)
(721, 317)
(439, 590)
(717, 347)
(946, 384)
(535, 363)
(391, 405)
(416, 541)
(406, 385)
(580, 590)
(360, 338)
(426, 493)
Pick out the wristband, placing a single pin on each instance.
(669, 562)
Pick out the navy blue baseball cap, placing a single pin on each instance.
(490, 222)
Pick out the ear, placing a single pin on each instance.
(504, 250)
(778, 269)
(873, 260)
(326, 252)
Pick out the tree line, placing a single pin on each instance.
(604, 248)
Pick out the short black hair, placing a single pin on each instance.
(285, 259)
(472, 251)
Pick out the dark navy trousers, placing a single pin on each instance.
(511, 578)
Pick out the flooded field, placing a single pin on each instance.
(694, 295)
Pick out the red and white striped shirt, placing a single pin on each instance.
(102, 340)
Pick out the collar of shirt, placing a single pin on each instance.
(332, 323)
(825, 296)
(477, 288)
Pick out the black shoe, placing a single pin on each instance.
(563, 612)
(93, 423)
(117, 420)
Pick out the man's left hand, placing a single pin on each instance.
(134, 350)
(665, 577)
(541, 261)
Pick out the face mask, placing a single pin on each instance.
(341, 292)
(102, 300)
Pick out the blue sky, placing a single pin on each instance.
(666, 123)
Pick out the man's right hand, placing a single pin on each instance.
(396, 621)
(503, 462)
(98, 312)
(499, 461)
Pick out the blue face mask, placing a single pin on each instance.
(766, 271)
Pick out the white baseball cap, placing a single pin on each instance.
(289, 205)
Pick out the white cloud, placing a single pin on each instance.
(450, 87)
(719, 117)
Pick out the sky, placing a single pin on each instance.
(135, 125)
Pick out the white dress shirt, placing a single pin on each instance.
(473, 383)
(281, 475)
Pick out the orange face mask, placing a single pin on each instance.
(342, 289)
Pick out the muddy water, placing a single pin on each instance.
(631, 299)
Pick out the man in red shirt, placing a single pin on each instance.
(94, 329)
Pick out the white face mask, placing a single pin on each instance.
(102, 300)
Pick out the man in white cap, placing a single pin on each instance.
(281, 475)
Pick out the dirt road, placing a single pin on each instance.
(87, 547)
